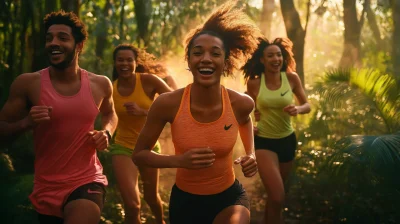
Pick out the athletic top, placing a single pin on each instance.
(219, 135)
(65, 158)
(274, 122)
(129, 126)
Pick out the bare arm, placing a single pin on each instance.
(158, 87)
(14, 118)
(159, 114)
(242, 106)
(109, 119)
(171, 82)
(298, 90)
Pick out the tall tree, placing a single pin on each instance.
(266, 17)
(295, 32)
(71, 5)
(143, 10)
(122, 19)
(372, 22)
(101, 37)
(396, 39)
(352, 33)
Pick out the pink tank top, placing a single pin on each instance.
(64, 158)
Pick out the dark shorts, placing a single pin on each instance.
(284, 147)
(186, 208)
(95, 192)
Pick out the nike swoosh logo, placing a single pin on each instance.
(227, 127)
(282, 94)
(93, 192)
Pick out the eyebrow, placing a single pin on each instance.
(214, 47)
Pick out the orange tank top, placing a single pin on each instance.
(219, 135)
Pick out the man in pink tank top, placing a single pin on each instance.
(60, 103)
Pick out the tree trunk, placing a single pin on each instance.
(351, 51)
(51, 5)
(372, 22)
(101, 38)
(396, 40)
(295, 33)
(268, 10)
(38, 39)
(143, 11)
(71, 6)
(121, 22)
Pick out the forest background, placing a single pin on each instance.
(348, 57)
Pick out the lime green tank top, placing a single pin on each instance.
(274, 122)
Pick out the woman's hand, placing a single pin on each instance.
(248, 163)
(197, 158)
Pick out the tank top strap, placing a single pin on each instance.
(44, 74)
(85, 84)
(285, 80)
(138, 91)
(184, 108)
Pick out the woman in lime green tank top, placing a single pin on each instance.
(272, 83)
(134, 91)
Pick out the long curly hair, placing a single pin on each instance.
(254, 68)
(145, 62)
(236, 30)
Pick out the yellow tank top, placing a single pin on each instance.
(274, 122)
(129, 126)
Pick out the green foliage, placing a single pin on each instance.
(346, 171)
(15, 205)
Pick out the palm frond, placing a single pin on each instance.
(368, 160)
(360, 90)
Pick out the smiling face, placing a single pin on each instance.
(272, 59)
(61, 47)
(207, 59)
(125, 63)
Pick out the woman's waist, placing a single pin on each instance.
(205, 181)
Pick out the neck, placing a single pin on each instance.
(272, 75)
(71, 73)
(126, 81)
(205, 96)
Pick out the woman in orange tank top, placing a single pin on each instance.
(205, 120)
(134, 90)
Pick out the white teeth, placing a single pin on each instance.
(206, 70)
(124, 69)
(56, 52)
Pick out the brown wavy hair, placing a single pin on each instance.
(236, 30)
(70, 19)
(145, 62)
(254, 68)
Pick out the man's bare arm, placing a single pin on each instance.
(14, 118)
(109, 119)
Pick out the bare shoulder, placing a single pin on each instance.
(255, 82)
(293, 77)
(26, 83)
(100, 82)
(241, 103)
(167, 105)
(28, 78)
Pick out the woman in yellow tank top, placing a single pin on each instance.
(134, 92)
(205, 120)
(272, 83)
